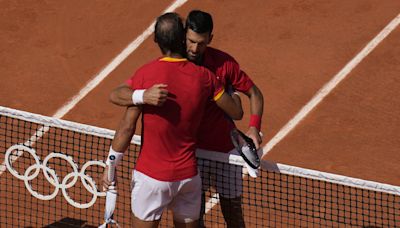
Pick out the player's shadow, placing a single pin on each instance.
(69, 222)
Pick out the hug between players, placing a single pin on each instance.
(188, 98)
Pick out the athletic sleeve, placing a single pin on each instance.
(136, 81)
(216, 86)
(236, 77)
(218, 93)
(129, 82)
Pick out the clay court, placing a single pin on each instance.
(328, 70)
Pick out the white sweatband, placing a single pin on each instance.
(137, 96)
(114, 156)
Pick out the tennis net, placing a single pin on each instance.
(51, 170)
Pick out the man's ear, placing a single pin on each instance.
(211, 37)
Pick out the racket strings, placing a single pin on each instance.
(246, 148)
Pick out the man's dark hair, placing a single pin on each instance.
(199, 22)
(170, 33)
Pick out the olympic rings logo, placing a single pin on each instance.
(33, 171)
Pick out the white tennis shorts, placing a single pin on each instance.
(225, 178)
(150, 197)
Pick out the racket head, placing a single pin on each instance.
(246, 148)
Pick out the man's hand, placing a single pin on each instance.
(156, 95)
(106, 182)
(254, 134)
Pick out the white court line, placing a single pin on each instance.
(113, 64)
(327, 88)
(97, 79)
(321, 94)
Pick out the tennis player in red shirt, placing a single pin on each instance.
(214, 130)
(199, 27)
(166, 173)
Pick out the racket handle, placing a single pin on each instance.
(111, 172)
(111, 168)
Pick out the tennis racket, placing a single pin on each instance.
(111, 196)
(246, 148)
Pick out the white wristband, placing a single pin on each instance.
(137, 97)
(114, 156)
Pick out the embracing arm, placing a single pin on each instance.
(122, 95)
(155, 95)
(231, 105)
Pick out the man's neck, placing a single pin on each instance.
(200, 60)
(174, 55)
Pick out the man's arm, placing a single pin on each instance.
(242, 82)
(238, 105)
(231, 105)
(126, 128)
(156, 95)
(123, 136)
(256, 110)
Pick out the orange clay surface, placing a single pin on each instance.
(50, 50)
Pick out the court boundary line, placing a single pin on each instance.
(97, 79)
(113, 64)
(328, 87)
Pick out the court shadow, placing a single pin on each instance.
(69, 222)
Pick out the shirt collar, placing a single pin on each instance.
(171, 59)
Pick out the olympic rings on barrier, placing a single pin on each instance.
(33, 171)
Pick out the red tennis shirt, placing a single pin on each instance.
(214, 131)
(169, 132)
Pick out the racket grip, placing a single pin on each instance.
(111, 172)
(111, 168)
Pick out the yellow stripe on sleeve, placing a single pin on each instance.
(219, 94)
